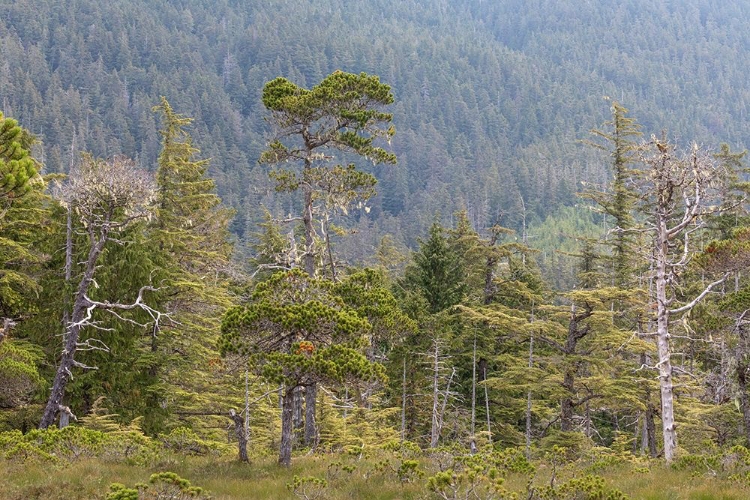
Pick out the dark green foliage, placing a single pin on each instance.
(297, 332)
(437, 273)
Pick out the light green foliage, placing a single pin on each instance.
(189, 238)
(298, 331)
(308, 487)
(19, 376)
(618, 200)
(585, 488)
(186, 442)
(23, 211)
(162, 486)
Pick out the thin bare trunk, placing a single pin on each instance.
(307, 219)
(403, 403)
(67, 359)
(742, 374)
(311, 432)
(473, 445)
(662, 339)
(329, 251)
(487, 406)
(434, 430)
(528, 401)
(298, 418)
(287, 426)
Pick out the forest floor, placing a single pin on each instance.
(226, 479)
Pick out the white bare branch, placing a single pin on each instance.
(700, 297)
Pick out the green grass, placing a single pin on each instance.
(226, 479)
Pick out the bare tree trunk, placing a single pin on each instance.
(444, 404)
(651, 432)
(298, 415)
(528, 401)
(662, 339)
(473, 444)
(486, 401)
(239, 431)
(287, 426)
(67, 361)
(403, 402)
(742, 372)
(311, 434)
(434, 430)
(329, 251)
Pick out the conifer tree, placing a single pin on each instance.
(189, 234)
(340, 113)
(298, 333)
(17, 167)
(619, 203)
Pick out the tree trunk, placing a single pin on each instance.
(307, 219)
(473, 444)
(487, 407)
(651, 432)
(403, 403)
(287, 426)
(742, 370)
(662, 340)
(241, 433)
(67, 359)
(528, 401)
(566, 405)
(434, 430)
(311, 432)
(298, 417)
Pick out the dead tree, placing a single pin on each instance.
(107, 197)
(677, 195)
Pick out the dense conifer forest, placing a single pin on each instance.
(456, 250)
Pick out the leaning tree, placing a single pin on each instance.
(108, 197)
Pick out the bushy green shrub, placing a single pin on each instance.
(162, 486)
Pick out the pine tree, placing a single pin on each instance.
(298, 333)
(340, 113)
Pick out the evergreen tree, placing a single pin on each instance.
(619, 203)
(298, 334)
(437, 273)
(189, 235)
(340, 113)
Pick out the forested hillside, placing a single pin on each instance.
(491, 97)
(415, 250)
